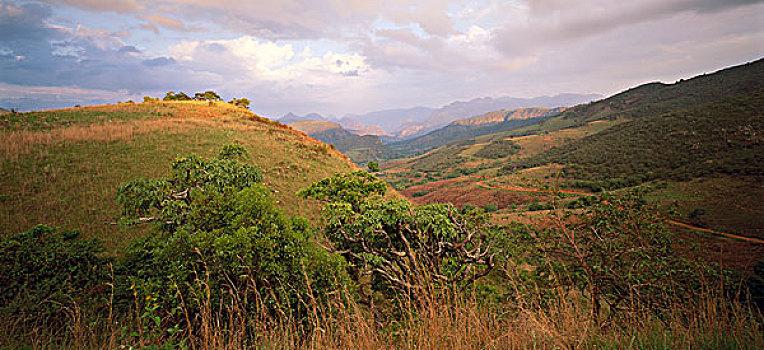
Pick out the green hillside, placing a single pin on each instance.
(314, 126)
(656, 98)
(722, 137)
(62, 167)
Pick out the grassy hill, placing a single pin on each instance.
(62, 167)
(314, 126)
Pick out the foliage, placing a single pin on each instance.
(172, 96)
(46, 271)
(616, 250)
(208, 95)
(373, 166)
(193, 183)
(240, 102)
(351, 188)
(490, 207)
(498, 149)
(420, 193)
(409, 248)
(723, 137)
(222, 237)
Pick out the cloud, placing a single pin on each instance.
(343, 56)
(554, 22)
(119, 6)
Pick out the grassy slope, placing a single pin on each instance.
(314, 126)
(62, 167)
(719, 137)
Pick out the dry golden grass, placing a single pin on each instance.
(20, 141)
(446, 321)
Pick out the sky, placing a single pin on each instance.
(355, 56)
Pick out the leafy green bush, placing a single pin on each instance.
(407, 248)
(616, 251)
(220, 241)
(47, 270)
(536, 206)
(490, 207)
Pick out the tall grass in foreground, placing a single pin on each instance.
(445, 320)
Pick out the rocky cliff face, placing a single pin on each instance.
(505, 115)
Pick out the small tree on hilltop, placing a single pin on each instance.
(240, 102)
(180, 96)
(208, 95)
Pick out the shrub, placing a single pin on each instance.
(490, 207)
(408, 249)
(47, 270)
(220, 241)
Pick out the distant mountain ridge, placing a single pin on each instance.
(291, 118)
(405, 123)
(505, 115)
(460, 110)
(410, 122)
(359, 148)
(484, 124)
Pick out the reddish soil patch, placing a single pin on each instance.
(730, 253)
(461, 191)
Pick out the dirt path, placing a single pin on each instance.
(482, 183)
(728, 235)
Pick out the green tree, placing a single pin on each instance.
(410, 248)
(219, 234)
(172, 96)
(373, 166)
(240, 102)
(208, 95)
(616, 250)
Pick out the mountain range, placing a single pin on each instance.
(399, 124)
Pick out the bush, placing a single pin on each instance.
(220, 241)
(47, 270)
(490, 207)
(404, 248)
(420, 193)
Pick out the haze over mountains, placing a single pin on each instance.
(409, 122)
